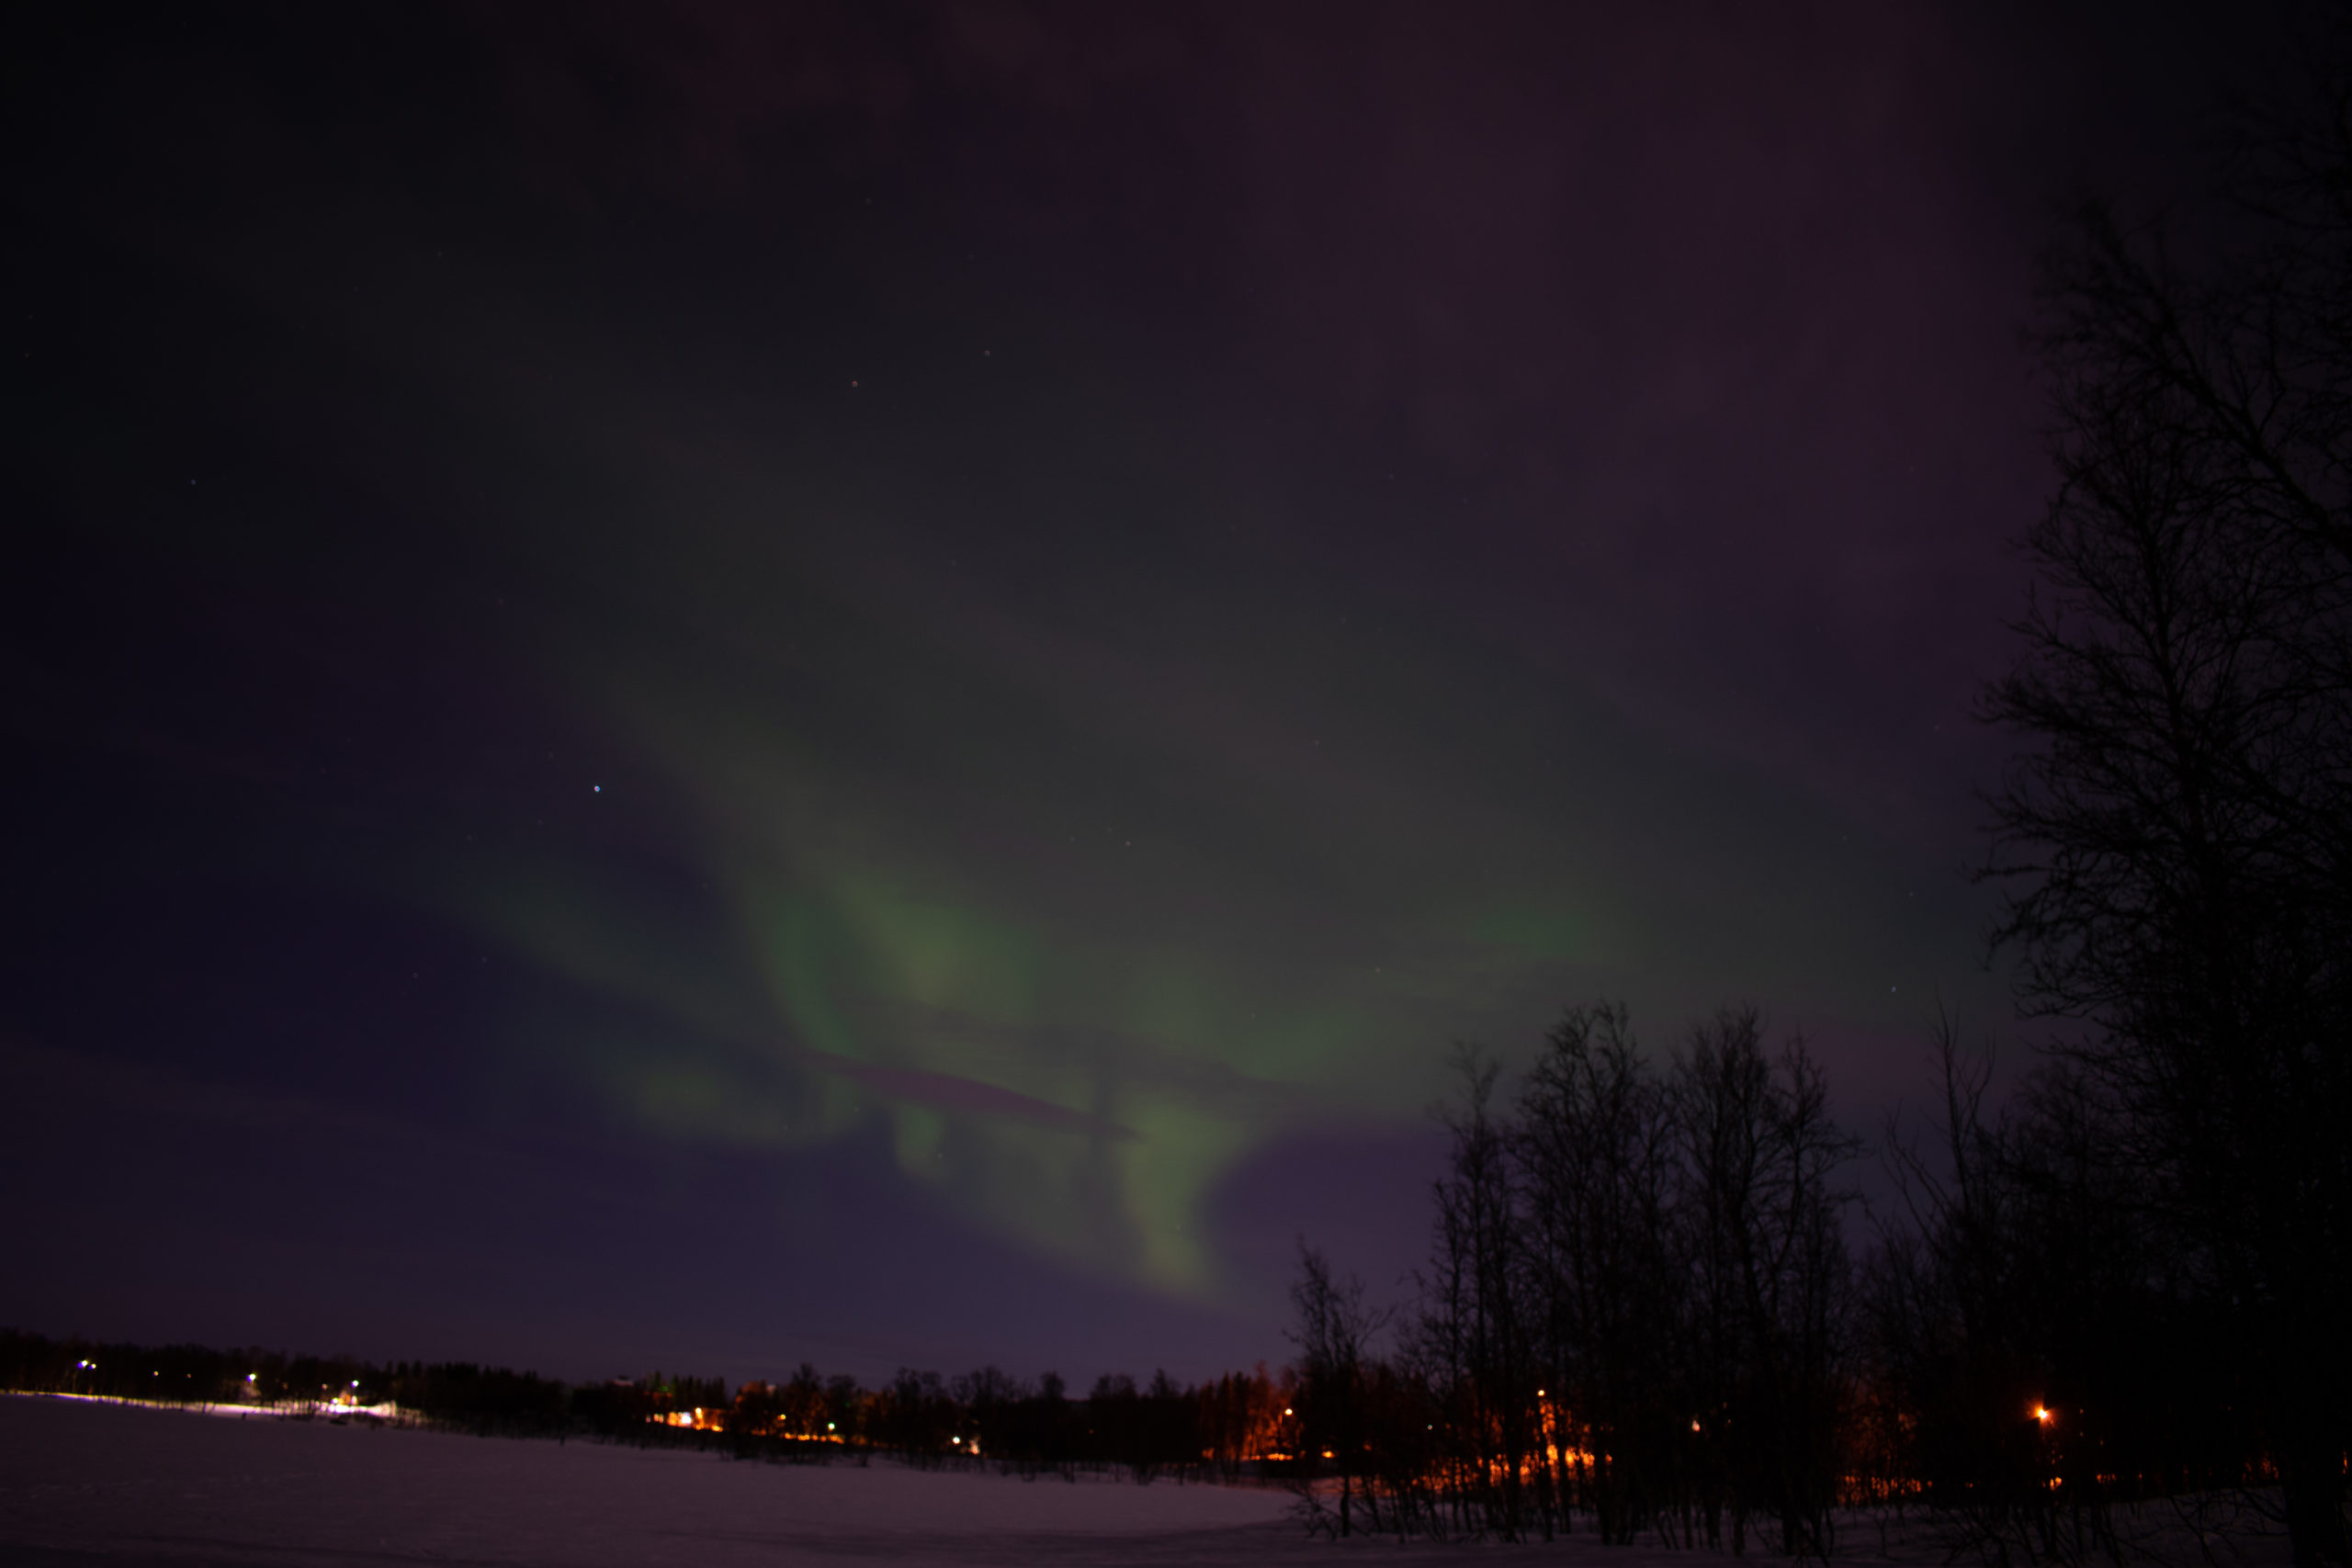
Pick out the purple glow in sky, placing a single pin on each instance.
(753, 682)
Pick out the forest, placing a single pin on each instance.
(1642, 1318)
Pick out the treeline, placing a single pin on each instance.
(1241, 1425)
(1641, 1316)
(1238, 1426)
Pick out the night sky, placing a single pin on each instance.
(711, 685)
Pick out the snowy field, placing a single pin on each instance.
(83, 1485)
(87, 1484)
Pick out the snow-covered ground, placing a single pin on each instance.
(84, 1483)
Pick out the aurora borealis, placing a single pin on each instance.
(729, 684)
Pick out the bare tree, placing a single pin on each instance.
(1334, 1333)
(1951, 1363)
(1596, 1145)
(2175, 839)
(1474, 1333)
(1760, 1213)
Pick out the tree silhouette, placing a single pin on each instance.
(1334, 1334)
(2174, 842)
